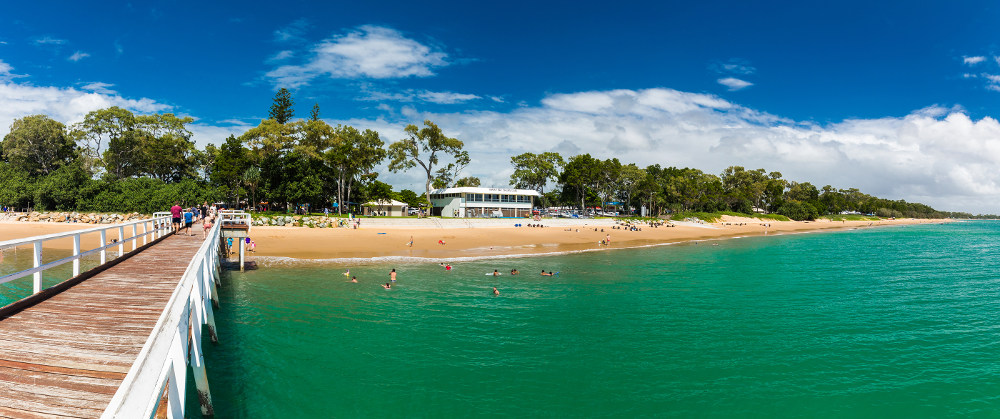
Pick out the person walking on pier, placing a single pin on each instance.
(175, 212)
(188, 220)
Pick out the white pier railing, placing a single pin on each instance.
(162, 362)
(152, 229)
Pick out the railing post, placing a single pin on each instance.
(104, 242)
(145, 234)
(37, 261)
(76, 255)
(135, 238)
(121, 241)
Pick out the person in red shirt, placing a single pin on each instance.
(175, 212)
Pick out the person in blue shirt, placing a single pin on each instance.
(188, 220)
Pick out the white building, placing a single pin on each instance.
(483, 202)
(391, 208)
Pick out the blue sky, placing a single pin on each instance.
(897, 98)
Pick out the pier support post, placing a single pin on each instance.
(215, 298)
(210, 322)
(201, 385)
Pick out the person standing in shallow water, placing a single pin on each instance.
(392, 275)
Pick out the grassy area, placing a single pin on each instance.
(850, 217)
(714, 217)
(271, 214)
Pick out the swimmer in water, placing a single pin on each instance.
(495, 273)
(354, 279)
(495, 291)
(392, 275)
(387, 285)
(447, 267)
(514, 272)
(546, 274)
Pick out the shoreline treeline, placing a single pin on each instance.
(115, 161)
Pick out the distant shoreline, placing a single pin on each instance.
(379, 238)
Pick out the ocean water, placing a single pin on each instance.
(14, 260)
(888, 322)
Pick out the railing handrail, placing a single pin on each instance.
(140, 391)
(159, 225)
(230, 217)
(45, 237)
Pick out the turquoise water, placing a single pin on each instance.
(890, 322)
(15, 260)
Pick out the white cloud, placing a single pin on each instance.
(281, 56)
(48, 40)
(410, 95)
(446, 98)
(733, 66)
(937, 156)
(293, 32)
(734, 84)
(65, 104)
(5, 70)
(369, 52)
(973, 60)
(98, 87)
(77, 56)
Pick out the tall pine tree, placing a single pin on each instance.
(314, 115)
(281, 109)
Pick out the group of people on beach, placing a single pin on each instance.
(251, 246)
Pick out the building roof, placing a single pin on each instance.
(468, 189)
(384, 203)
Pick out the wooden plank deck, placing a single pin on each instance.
(66, 356)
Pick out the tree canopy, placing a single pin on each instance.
(422, 147)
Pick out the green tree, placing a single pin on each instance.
(422, 147)
(125, 155)
(282, 109)
(314, 113)
(231, 162)
(409, 197)
(60, 189)
(534, 171)
(17, 189)
(38, 145)
(353, 157)
(448, 175)
(167, 151)
(470, 181)
(798, 211)
(630, 177)
(578, 177)
(102, 126)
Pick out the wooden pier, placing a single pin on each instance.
(119, 340)
(67, 355)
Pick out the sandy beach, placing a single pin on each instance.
(388, 240)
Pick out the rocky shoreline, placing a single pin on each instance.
(72, 217)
